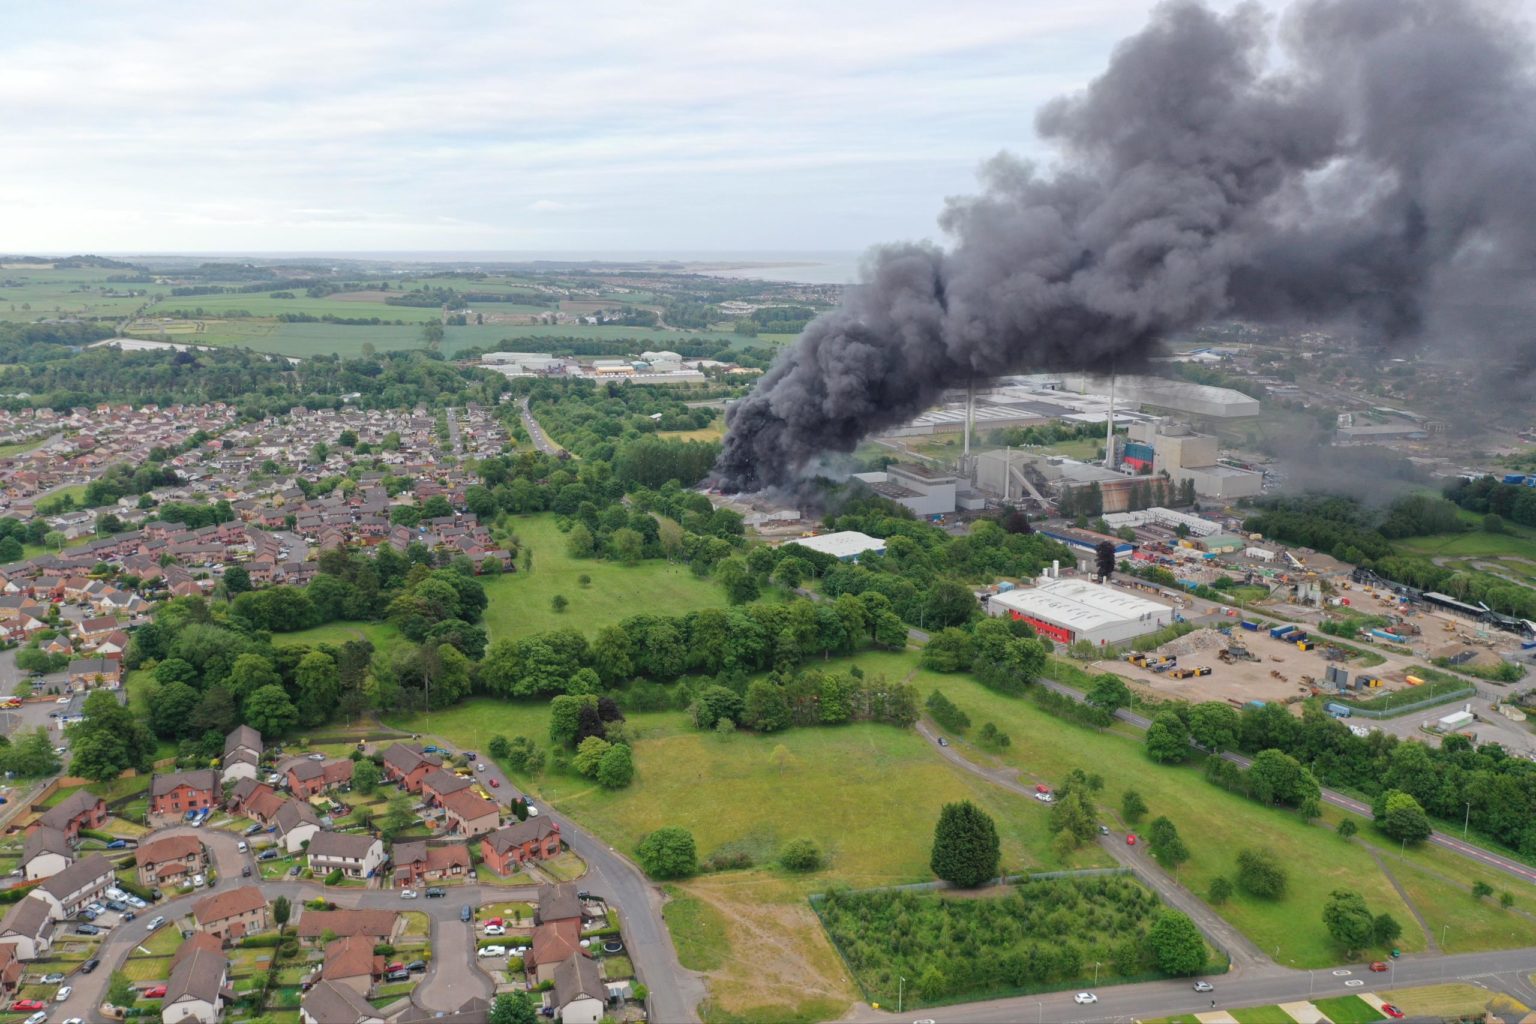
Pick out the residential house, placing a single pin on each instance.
(46, 852)
(68, 892)
(28, 926)
(11, 969)
(408, 765)
(327, 1003)
(307, 778)
(353, 854)
(553, 942)
(439, 783)
(79, 810)
(247, 795)
(232, 914)
(351, 962)
(420, 862)
(179, 792)
(469, 814)
(297, 823)
(507, 849)
(580, 995)
(95, 672)
(377, 926)
(198, 989)
(172, 860)
(242, 754)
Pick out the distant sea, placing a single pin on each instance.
(801, 267)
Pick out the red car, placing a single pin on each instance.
(495, 784)
(1378, 966)
(27, 1005)
(498, 922)
(1130, 839)
(1391, 1011)
(396, 966)
(153, 992)
(1041, 787)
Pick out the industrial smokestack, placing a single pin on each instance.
(970, 420)
(1380, 180)
(1109, 429)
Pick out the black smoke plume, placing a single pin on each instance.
(1383, 176)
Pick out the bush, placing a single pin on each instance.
(944, 711)
(335, 877)
(1259, 873)
(800, 855)
(668, 852)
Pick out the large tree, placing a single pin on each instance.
(1400, 816)
(1259, 873)
(110, 741)
(1167, 738)
(1348, 920)
(270, 712)
(1176, 945)
(319, 686)
(668, 852)
(966, 849)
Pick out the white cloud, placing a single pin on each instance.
(795, 124)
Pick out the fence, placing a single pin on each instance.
(1398, 710)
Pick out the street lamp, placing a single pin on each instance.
(1442, 933)
(900, 991)
(1467, 821)
(1095, 972)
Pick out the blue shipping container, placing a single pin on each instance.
(1250, 625)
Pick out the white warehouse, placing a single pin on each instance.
(1070, 610)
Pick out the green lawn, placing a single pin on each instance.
(1044, 747)
(1348, 1010)
(1262, 1015)
(520, 601)
(382, 635)
(698, 931)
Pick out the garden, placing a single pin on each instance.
(1043, 934)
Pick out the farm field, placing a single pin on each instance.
(1291, 928)
(35, 292)
(263, 304)
(520, 601)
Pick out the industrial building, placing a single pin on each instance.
(1085, 544)
(1069, 610)
(1200, 400)
(927, 492)
(1169, 519)
(845, 546)
(1186, 455)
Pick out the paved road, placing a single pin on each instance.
(454, 444)
(1501, 972)
(455, 976)
(675, 991)
(541, 440)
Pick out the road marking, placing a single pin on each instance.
(1354, 983)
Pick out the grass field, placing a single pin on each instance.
(698, 931)
(262, 304)
(520, 601)
(1446, 1001)
(713, 432)
(1044, 747)
(382, 635)
(1262, 1015)
(1348, 1010)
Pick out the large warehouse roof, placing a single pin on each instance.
(847, 544)
(1078, 605)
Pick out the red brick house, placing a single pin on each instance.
(169, 860)
(306, 777)
(437, 784)
(233, 914)
(419, 862)
(409, 765)
(79, 810)
(505, 850)
(180, 792)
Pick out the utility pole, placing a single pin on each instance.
(900, 991)
(1465, 824)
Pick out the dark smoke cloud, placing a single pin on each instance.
(1381, 178)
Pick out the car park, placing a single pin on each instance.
(1085, 998)
(486, 951)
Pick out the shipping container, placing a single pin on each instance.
(1279, 631)
(1413, 680)
(1253, 626)
(1337, 710)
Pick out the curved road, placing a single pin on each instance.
(541, 440)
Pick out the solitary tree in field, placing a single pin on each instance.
(1133, 806)
(966, 849)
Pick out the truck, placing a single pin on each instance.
(1338, 710)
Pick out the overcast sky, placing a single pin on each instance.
(516, 125)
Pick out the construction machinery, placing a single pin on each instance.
(1189, 673)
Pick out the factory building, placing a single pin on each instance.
(1199, 400)
(1069, 610)
(926, 491)
(1085, 544)
(1186, 455)
(845, 546)
(1167, 518)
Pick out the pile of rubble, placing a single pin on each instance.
(1201, 640)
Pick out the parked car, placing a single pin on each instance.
(1130, 839)
(253, 829)
(466, 913)
(317, 757)
(267, 855)
(135, 902)
(294, 871)
(486, 951)
(198, 881)
(435, 893)
(1103, 830)
(1391, 1011)
(155, 893)
(243, 846)
(245, 872)
(1041, 787)
(1085, 998)
(400, 975)
(116, 844)
(407, 894)
(89, 915)
(114, 893)
(943, 742)
(95, 907)
(87, 929)
(63, 993)
(40, 1017)
(416, 965)
(153, 992)
(1204, 986)
(1045, 798)
(470, 755)
(495, 929)
(480, 766)
(90, 965)
(155, 922)
(53, 978)
(117, 905)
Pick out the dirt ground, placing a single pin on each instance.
(779, 953)
(1276, 678)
